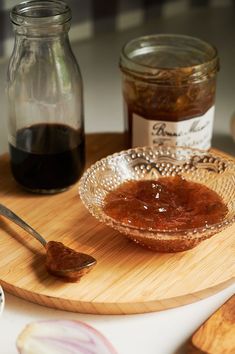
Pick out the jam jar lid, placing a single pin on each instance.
(169, 58)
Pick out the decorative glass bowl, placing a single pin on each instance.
(208, 168)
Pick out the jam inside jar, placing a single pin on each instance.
(169, 84)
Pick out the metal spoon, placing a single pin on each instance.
(61, 261)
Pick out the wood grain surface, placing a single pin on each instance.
(127, 277)
(217, 334)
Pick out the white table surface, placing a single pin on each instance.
(162, 332)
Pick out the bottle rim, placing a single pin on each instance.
(197, 70)
(40, 13)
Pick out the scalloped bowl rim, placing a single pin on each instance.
(185, 233)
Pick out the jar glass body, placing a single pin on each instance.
(169, 86)
(45, 94)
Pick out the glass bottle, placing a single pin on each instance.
(45, 95)
(169, 85)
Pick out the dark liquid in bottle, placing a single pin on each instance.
(47, 157)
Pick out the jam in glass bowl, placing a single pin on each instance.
(168, 199)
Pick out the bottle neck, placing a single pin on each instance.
(40, 18)
(42, 31)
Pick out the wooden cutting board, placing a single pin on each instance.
(127, 277)
(217, 334)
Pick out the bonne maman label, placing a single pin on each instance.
(194, 132)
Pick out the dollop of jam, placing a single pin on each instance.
(66, 263)
(169, 203)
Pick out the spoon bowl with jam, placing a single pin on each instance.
(168, 199)
(61, 261)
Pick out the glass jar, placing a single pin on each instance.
(45, 93)
(169, 84)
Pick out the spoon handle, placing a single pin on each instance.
(4, 211)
